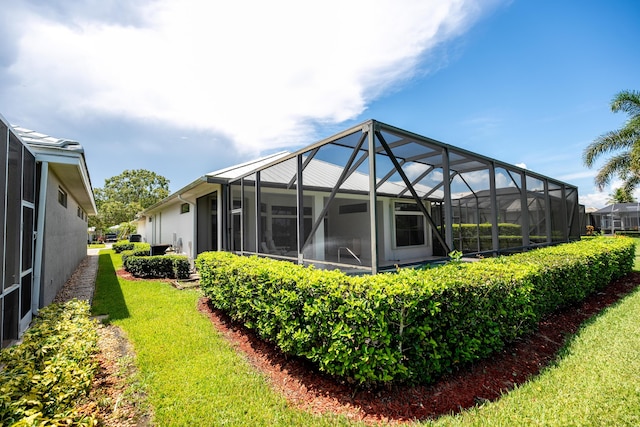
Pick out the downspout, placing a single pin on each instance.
(193, 224)
(37, 262)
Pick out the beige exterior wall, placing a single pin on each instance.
(65, 241)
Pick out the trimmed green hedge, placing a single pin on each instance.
(125, 245)
(413, 325)
(484, 229)
(134, 253)
(630, 233)
(143, 265)
(42, 378)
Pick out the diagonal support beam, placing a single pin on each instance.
(304, 165)
(346, 172)
(418, 179)
(421, 206)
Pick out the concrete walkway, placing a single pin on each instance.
(82, 282)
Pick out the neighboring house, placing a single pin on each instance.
(367, 199)
(617, 217)
(48, 198)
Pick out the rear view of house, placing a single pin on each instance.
(367, 199)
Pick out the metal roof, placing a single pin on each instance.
(408, 148)
(233, 172)
(37, 139)
(66, 159)
(619, 208)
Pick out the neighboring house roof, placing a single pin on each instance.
(66, 159)
(619, 208)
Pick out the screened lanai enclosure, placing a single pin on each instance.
(375, 197)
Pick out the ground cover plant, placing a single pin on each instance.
(413, 325)
(113, 296)
(42, 377)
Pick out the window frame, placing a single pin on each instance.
(421, 224)
(63, 198)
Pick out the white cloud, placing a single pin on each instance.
(521, 165)
(261, 73)
(596, 200)
(599, 199)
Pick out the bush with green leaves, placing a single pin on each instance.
(412, 325)
(134, 253)
(157, 266)
(125, 245)
(42, 378)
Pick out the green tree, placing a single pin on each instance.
(623, 144)
(127, 194)
(621, 195)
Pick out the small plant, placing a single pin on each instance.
(455, 256)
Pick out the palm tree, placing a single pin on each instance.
(621, 195)
(623, 142)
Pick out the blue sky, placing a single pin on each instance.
(186, 87)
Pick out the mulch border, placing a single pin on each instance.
(306, 388)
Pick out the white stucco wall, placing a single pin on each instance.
(170, 226)
(65, 241)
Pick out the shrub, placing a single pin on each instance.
(123, 245)
(130, 246)
(413, 325)
(43, 377)
(135, 253)
(157, 266)
(630, 233)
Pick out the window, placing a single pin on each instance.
(284, 225)
(409, 224)
(184, 208)
(62, 197)
(354, 208)
(80, 213)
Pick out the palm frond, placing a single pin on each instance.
(606, 143)
(619, 165)
(627, 101)
(631, 183)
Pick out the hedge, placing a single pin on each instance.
(143, 265)
(471, 230)
(413, 325)
(134, 253)
(125, 245)
(43, 377)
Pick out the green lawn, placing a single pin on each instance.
(192, 375)
(194, 378)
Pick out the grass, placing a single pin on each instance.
(594, 381)
(195, 378)
(192, 375)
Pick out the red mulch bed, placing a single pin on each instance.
(307, 388)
